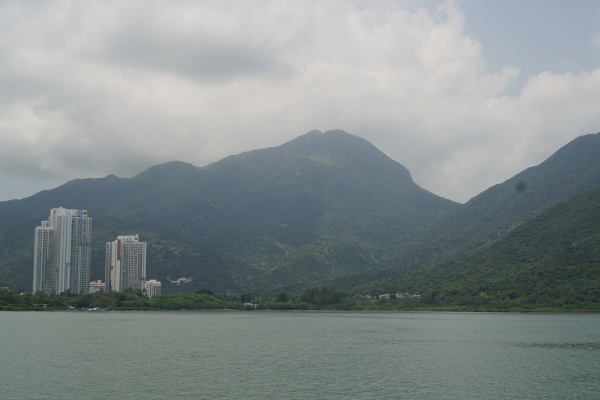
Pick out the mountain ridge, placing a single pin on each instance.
(571, 170)
(323, 207)
(316, 197)
(552, 258)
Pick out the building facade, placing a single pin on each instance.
(125, 265)
(97, 286)
(63, 252)
(153, 288)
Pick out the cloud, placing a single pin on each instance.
(100, 87)
(595, 40)
(200, 41)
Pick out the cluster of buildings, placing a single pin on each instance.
(398, 296)
(63, 255)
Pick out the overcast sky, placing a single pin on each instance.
(465, 94)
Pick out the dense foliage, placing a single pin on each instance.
(311, 300)
(552, 260)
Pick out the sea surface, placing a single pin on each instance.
(298, 355)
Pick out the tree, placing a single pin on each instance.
(245, 297)
(326, 295)
(281, 297)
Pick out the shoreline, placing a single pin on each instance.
(516, 310)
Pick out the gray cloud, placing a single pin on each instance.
(101, 87)
(200, 49)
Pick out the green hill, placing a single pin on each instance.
(489, 216)
(330, 207)
(322, 206)
(552, 260)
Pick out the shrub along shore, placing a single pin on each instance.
(326, 299)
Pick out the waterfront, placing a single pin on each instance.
(298, 355)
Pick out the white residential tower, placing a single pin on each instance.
(63, 252)
(125, 265)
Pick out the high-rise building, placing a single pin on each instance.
(125, 265)
(63, 252)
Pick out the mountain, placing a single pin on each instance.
(552, 260)
(322, 206)
(489, 216)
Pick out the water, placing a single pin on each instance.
(298, 355)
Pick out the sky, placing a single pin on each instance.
(464, 93)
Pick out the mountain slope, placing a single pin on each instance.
(552, 259)
(573, 169)
(262, 219)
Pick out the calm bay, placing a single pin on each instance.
(298, 355)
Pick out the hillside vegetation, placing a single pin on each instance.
(331, 210)
(322, 206)
(552, 260)
(489, 216)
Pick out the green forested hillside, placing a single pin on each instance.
(322, 206)
(551, 260)
(572, 170)
(330, 208)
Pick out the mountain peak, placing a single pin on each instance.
(339, 148)
(172, 168)
(321, 206)
(335, 135)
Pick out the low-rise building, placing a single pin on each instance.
(152, 288)
(97, 286)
